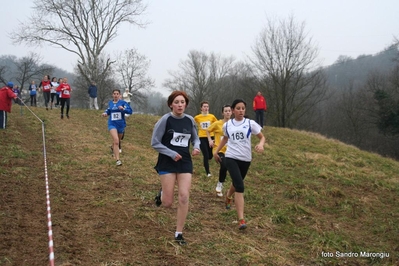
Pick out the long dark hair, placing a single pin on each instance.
(237, 101)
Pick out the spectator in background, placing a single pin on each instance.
(32, 93)
(6, 94)
(260, 106)
(126, 96)
(93, 96)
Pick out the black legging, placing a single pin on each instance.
(237, 170)
(58, 99)
(46, 95)
(206, 152)
(63, 101)
(223, 169)
(53, 95)
(33, 100)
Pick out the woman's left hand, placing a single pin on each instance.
(195, 152)
(259, 148)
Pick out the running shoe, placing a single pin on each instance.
(242, 225)
(228, 202)
(209, 175)
(219, 187)
(180, 240)
(67, 116)
(120, 150)
(118, 162)
(158, 200)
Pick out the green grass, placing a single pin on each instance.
(305, 196)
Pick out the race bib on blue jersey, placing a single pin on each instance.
(116, 116)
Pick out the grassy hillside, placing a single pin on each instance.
(309, 200)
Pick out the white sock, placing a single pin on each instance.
(177, 233)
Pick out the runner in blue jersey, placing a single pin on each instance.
(117, 109)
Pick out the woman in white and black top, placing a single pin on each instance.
(237, 133)
(53, 91)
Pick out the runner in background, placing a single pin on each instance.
(53, 91)
(45, 87)
(204, 120)
(116, 111)
(216, 128)
(65, 96)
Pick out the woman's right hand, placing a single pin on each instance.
(217, 158)
(177, 157)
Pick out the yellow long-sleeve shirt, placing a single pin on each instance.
(204, 122)
(217, 129)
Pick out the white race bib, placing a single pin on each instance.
(205, 125)
(180, 139)
(66, 92)
(116, 116)
(237, 136)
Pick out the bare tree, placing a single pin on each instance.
(131, 70)
(29, 67)
(285, 62)
(23, 70)
(83, 28)
(7, 68)
(106, 84)
(201, 76)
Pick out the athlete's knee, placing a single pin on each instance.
(183, 198)
(167, 203)
(239, 187)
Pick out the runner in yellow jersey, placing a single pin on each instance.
(204, 120)
(217, 129)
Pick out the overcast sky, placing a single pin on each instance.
(229, 28)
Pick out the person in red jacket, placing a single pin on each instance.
(65, 96)
(260, 107)
(6, 95)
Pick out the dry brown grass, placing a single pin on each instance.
(305, 195)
